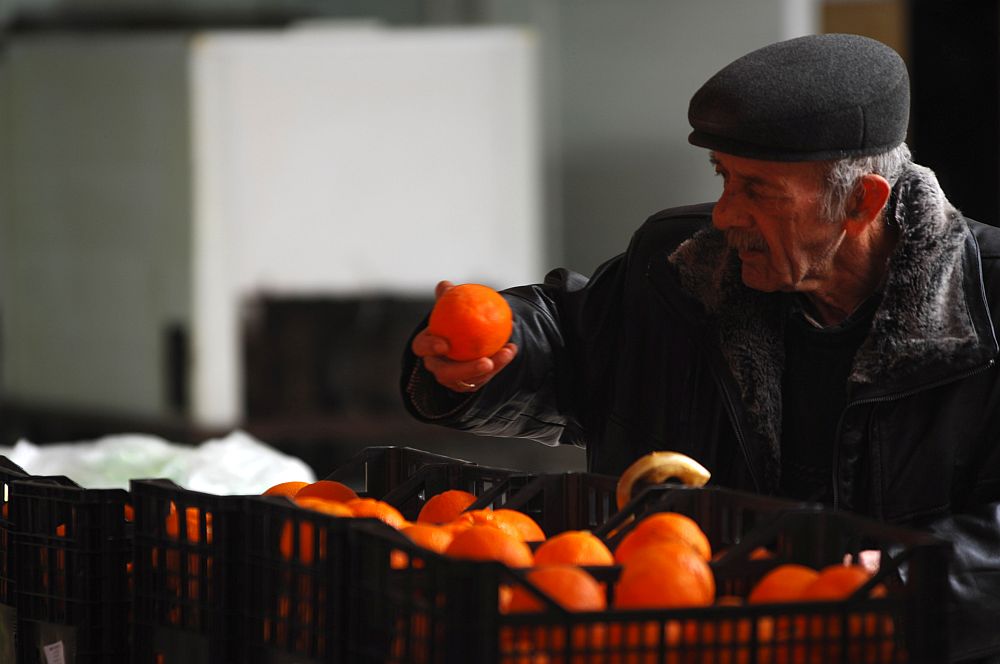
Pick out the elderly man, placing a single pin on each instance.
(824, 331)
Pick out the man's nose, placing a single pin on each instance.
(728, 213)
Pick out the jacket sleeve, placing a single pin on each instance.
(558, 327)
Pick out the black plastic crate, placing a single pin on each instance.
(189, 573)
(296, 589)
(9, 472)
(557, 501)
(73, 557)
(375, 471)
(410, 495)
(444, 611)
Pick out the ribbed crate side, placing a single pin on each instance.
(375, 471)
(564, 501)
(9, 472)
(189, 571)
(73, 548)
(295, 595)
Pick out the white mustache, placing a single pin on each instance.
(743, 241)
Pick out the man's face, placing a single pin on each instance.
(771, 214)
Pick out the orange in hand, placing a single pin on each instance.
(445, 506)
(475, 320)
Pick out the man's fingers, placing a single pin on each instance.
(504, 356)
(426, 344)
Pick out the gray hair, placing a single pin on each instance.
(843, 175)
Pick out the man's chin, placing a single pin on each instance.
(756, 281)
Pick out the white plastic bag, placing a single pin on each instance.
(235, 464)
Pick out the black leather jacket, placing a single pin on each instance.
(664, 348)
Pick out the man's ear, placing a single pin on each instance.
(867, 202)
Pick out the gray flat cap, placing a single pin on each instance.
(807, 99)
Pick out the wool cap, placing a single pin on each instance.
(806, 99)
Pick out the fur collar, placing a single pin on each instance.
(922, 320)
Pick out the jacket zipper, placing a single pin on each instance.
(738, 429)
(885, 398)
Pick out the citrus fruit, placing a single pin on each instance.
(569, 586)
(331, 507)
(431, 537)
(663, 526)
(784, 583)
(835, 582)
(372, 508)
(192, 521)
(445, 506)
(870, 634)
(475, 320)
(285, 489)
(666, 574)
(328, 489)
(482, 542)
(518, 524)
(574, 547)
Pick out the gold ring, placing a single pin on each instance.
(468, 386)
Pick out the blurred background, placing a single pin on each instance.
(231, 214)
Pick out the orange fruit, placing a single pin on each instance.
(666, 574)
(431, 537)
(445, 506)
(192, 517)
(835, 582)
(475, 320)
(784, 583)
(285, 489)
(574, 590)
(286, 545)
(518, 524)
(663, 526)
(372, 508)
(574, 547)
(483, 517)
(482, 542)
(331, 507)
(838, 582)
(569, 586)
(328, 489)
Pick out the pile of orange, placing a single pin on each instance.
(664, 563)
(329, 497)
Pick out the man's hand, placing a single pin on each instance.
(458, 376)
